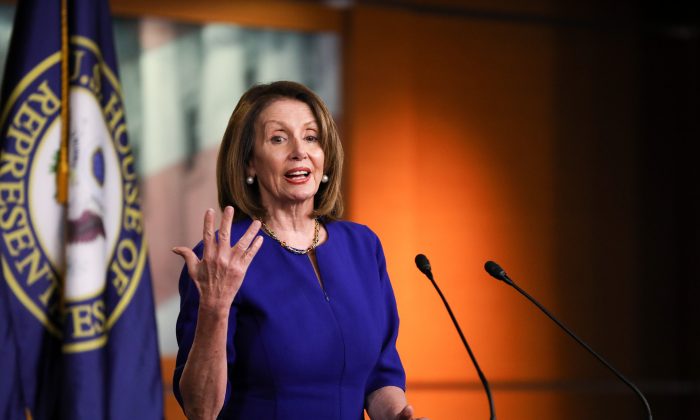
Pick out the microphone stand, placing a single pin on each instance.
(425, 269)
(500, 274)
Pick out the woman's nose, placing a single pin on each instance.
(298, 151)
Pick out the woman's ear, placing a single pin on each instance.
(250, 169)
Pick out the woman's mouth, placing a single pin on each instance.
(298, 175)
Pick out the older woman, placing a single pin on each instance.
(302, 324)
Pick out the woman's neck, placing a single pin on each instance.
(293, 224)
(283, 221)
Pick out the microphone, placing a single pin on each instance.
(498, 273)
(424, 266)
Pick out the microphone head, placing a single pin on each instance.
(423, 264)
(496, 271)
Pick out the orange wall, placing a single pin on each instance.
(450, 143)
(504, 137)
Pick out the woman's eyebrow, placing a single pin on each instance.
(282, 123)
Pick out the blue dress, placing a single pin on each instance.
(299, 351)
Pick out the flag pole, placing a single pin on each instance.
(62, 164)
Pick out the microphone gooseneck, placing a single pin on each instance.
(498, 273)
(424, 266)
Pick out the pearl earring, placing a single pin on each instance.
(324, 178)
(249, 180)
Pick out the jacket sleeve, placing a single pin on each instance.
(389, 370)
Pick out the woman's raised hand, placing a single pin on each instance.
(219, 274)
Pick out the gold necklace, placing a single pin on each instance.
(298, 251)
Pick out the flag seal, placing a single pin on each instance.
(75, 268)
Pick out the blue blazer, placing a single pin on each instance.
(299, 351)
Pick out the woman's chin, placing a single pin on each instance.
(296, 199)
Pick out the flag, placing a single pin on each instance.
(77, 327)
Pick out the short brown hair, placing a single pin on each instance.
(237, 149)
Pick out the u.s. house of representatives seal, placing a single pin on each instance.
(75, 268)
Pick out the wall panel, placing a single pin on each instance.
(451, 140)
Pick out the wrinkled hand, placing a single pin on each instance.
(407, 414)
(219, 274)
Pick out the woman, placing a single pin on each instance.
(302, 324)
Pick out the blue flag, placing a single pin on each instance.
(77, 321)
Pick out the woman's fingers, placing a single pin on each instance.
(218, 257)
(250, 254)
(406, 413)
(249, 244)
(208, 235)
(247, 238)
(190, 258)
(225, 228)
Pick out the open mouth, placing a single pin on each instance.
(298, 175)
(86, 228)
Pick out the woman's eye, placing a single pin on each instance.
(277, 139)
(311, 138)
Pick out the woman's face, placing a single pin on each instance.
(287, 158)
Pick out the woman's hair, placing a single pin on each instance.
(239, 140)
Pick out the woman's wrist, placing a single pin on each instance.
(214, 308)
